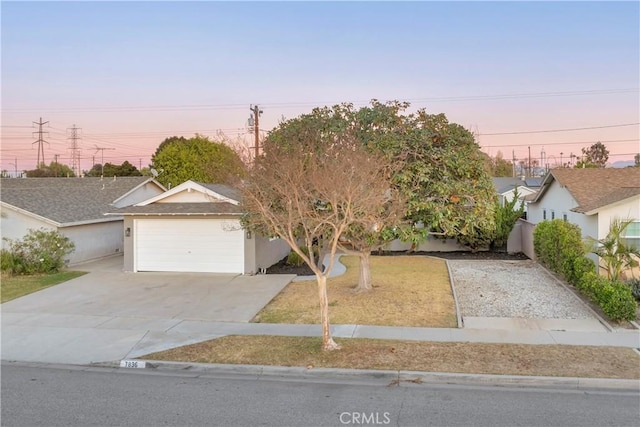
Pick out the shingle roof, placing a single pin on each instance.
(222, 189)
(67, 200)
(213, 208)
(593, 188)
(504, 184)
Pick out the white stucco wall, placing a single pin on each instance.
(15, 225)
(94, 241)
(559, 201)
(187, 197)
(142, 193)
(269, 252)
(627, 209)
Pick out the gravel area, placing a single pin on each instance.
(498, 288)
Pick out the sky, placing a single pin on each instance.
(130, 74)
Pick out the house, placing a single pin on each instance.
(195, 227)
(591, 199)
(506, 188)
(75, 207)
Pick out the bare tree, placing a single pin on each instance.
(311, 192)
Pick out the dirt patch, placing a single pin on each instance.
(477, 358)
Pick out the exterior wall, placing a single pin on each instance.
(504, 198)
(514, 241)
(432, 244)
(128, 243)
(526, 238)
(142, 193)
(558, 200)
(187, 197)
(94, 241)
(268, 252)
(15, 225)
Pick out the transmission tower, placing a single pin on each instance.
(75, 149)
(40, 143)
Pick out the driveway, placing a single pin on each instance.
(108, 315)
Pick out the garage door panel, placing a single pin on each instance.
(198, 245)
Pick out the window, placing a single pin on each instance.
(544, 214)
(632, 234)
(564, 216)
(553, 215)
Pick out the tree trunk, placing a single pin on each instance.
(327, 342)
(364, 281)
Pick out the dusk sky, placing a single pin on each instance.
(130, 74)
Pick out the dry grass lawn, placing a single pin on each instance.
(477, 358)
(407, 291)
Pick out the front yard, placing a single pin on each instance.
(12, 287)
(407, 291)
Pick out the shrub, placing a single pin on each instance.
(615, 298)
(40, 251)
(581, 266)
(558, 244)
(634, 285)
(296, 260)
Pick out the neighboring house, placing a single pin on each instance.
(75, 207)
(591, 199)
(506, 188)
(195, 227)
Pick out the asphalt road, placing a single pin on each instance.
(73, 396)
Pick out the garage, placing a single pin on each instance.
(204, 245)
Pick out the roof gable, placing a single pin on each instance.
(594, 188)
(212, 193)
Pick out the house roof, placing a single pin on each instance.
(67, 201)
(224, 190)
(506, 184)
(213, 208)
(594, 188)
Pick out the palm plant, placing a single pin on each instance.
(614, 251)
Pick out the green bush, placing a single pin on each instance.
(581, 266)
(296, 260)
(40, 251)
(634, 285)
(558, 244)
(615, 298)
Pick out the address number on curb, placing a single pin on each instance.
(132, 364)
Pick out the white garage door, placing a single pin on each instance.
(197, 245)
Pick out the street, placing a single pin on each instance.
(77, 396)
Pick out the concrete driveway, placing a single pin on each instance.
(109, 315)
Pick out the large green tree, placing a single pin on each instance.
(178, 159)
(443, 179)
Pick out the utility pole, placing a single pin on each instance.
(254, 120)
(530, 174)
(40, 142)
(513, 163)
(102, 149)
(75, 150)
(55, 164)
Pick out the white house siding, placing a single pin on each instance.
(558, 200)
(628, 209)
(94, 241)
(269, 251)
(15, 225)
(506, 197)
(142, 193)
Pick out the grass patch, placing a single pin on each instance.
(476, 358)
(13, 287)
(407, 291)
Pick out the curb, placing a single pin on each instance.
(455, 296)
(388, 377)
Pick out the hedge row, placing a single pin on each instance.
(558, 245)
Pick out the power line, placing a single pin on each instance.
(558, 130)
(321, 103)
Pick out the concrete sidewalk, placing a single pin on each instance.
(95, 339)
